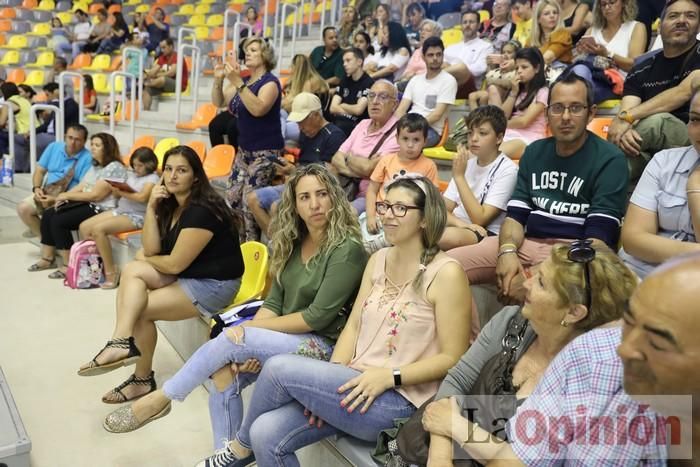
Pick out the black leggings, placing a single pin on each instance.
(56, 226)
(223, 124)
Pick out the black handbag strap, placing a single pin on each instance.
(381, 140)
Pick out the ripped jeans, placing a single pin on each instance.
(226, 407)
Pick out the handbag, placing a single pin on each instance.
(351, 185)
(495, 381)
(56, 188)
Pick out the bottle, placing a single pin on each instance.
(8, 169)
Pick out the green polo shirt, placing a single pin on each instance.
(328, 67)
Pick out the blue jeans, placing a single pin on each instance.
(433, 138)
(226, 407)
(269, 195)
(275, 425)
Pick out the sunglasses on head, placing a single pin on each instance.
(581, 251)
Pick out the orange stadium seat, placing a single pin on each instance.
(200, 147)
(219, 160)
(205, 114)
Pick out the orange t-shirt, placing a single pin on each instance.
(390, 167)
(560, 44)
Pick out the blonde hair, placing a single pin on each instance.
(536, 36)
(629, 13)
(266, 51)
(612, 283)
(288, 229)
(303, 71)
(432, 210)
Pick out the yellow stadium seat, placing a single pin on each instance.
(439, 153)
(320, 7)
(101, 83)
(201, 33)
(45, 60)
(451, 36)
(41, 29)
(255, 258)
(132, 2)
(65, 16)
(197, 20)
(80, 6)
(609, 104)
(202, 9)
(35, 78)
(99, 63)
(16, 42)
(142, 8)
(214, 21)
(11, 57)
(484, 15)
(185, 10)
(46, 5)
(162, 147)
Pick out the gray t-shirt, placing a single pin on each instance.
(127, 206)
(463, 375)
(114, 170)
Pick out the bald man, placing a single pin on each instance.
(660, 348)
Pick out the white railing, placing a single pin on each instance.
(181, 34)
(194, 78)
(139, 53)
(62, 93)
(58, 128)
(267, 7)
(10, 127)
(128, 77)
(237, 37)
(281, 33)
(228, 13)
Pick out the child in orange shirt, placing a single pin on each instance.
(411, 133)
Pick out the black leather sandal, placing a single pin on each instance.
(120, 398)
(95, 368)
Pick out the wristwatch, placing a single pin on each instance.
(625, 116)
(397, 377)
(242, 87)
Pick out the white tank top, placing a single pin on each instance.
(620, 43)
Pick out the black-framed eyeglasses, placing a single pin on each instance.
(399, 210)
(581, 251)
(574, 109)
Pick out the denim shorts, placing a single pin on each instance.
(210, 296)
(268, 195)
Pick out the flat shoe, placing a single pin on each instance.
(95, 368)
(37, 267)
(57, 275)
(123, 420)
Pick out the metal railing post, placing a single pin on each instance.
(62, 93)
(112, 95)
(10, 127)
(141, 69)
(294, 33)
(58, 127)
(267, 6)
(181, 34)
(194, 78)
(276, 22)
(236, 36)
(228, 13)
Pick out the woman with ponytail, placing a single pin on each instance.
(408, 326)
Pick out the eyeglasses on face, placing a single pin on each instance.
(574, 109)
(399, 210)
(581, 251)
(380, 96)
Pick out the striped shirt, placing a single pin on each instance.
(579, 196)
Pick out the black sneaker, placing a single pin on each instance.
(225, 458)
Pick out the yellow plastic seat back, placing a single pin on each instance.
(255, 258)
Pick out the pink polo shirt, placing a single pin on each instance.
(416, 64)
(361, 142)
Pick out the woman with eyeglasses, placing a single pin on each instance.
(408, 326)
(613, 42)
(579, 287)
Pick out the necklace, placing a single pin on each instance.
(236, 101)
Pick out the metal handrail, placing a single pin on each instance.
(267, 5)
(62, 93)
(194, 78)
(323, 16)
(140, 76)
(112, 97)
(276, 22)
(58, 127)
(181, 34)
(294, 33)
(237, 35)
(10, 126)
(226, 23)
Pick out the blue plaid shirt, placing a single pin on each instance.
(574, 415)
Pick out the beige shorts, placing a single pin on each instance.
(30, 201)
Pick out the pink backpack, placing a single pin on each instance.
(84, 266)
